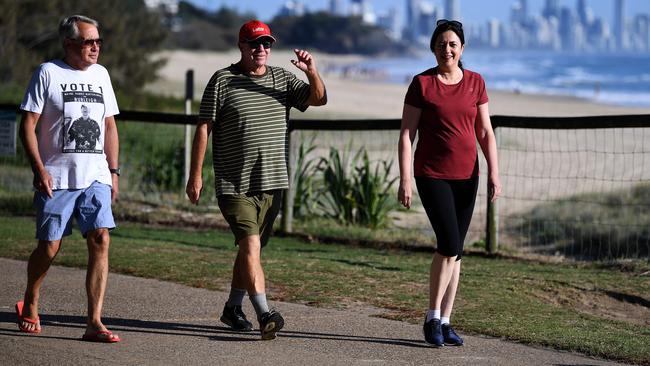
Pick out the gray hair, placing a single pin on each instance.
(68, 27)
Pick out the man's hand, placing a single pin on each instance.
(115, 188)
(43, 182)
(305, 61)
(194, 188)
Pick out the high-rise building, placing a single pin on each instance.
(293, 8)
(551, 9)
(583, 12)
(620, 30)
(390, 22)
(518, 12)
(642, 32)
(336, 7)
(427, 22)
(494, 33)
(452, 10)
(363, 9)
(567, 29)
(412, 17)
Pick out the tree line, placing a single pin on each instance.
(132, 34)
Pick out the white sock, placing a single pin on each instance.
(444, 320)
(433, 314)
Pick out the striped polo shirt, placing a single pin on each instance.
(249, 114)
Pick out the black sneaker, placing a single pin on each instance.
(433, 333)
(451, 338)
(270, 323)
(234, 317)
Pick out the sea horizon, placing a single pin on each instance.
(614, 79)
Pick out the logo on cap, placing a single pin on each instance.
(254, 29)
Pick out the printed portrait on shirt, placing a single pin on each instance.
(83, 122)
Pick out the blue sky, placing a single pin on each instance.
(473, 11)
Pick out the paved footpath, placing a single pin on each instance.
(165, 323)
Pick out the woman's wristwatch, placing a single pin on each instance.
(115, 171)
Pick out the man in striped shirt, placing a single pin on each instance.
(247, 105)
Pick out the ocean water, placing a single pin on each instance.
(618, 79)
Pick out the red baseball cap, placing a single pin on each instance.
(254, 29)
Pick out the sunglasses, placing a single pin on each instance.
(90, 42)
(453, 23)
(256, 43)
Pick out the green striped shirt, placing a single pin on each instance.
(250, 140)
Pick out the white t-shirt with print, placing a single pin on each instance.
(73, 105)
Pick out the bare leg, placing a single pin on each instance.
(37, 267)
(98, 242)
(441, 272)
(450, 293)
(247, 272)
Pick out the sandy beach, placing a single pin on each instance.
(360, 96)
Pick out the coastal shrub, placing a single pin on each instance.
(353, 192)
(304, 180)
(337, 199)
(594, 226)
(372, 192)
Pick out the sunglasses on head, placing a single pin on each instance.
(453, 23)
(266, 43)
(89, 42)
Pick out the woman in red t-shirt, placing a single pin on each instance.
(448, 107)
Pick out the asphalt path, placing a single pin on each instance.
(163, 323)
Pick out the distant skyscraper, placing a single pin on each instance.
(294, 8)
(390, 22)
(356, 7)
(452, 10)
(524, 9)
(412, 11)
(363, 9)
(620, 32)
(336, 7)
(583, 12)
(412, 17)
(518, 12)
(494, 33)
(567, 29)
(642, 32)
(551, 9)
(427, 21)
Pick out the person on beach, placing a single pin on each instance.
(247, 105)
(73, 177)
(448, 106)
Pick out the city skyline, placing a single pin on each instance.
(558, 25)
(472, 11)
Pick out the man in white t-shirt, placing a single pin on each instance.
(74, 157)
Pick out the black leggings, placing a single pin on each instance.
(449, 205)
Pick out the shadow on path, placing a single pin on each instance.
(120, 325)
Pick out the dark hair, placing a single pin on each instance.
(443, 26)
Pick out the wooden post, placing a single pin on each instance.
(287, 197)
(189, 95)
(492, 217)
(492, 230)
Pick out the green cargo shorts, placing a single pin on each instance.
(251, 213)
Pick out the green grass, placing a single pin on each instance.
(498, 297)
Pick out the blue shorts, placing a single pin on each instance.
(90, 206)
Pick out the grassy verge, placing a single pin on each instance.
(499, 297)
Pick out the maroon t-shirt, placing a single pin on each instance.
(446, 146)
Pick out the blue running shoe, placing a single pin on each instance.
(451, 338)
(433, 333)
